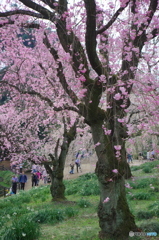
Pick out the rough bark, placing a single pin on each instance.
(115, 218)
(56, 168)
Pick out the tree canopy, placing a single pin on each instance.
(93, 59)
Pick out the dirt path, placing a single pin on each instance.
(88, 167)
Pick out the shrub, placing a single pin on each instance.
(83, 203)
(72, 188)
(21, 228)
(155, 189)
(147, 170)
(88, 176)
(154, 207)
(143, 183)
(140, 196)
(90, 187)
(70, 212)
(144, 215)
(85, 185)
(135, 168)
(47, 216)
(150, 165)
(151, 226)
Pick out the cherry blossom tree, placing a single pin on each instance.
(87, 59)
(21, 134)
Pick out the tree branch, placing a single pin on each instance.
(21, 12)
(43, 98)
(60, 73)
(90, 37)
(38, 8)
(50, 3)
(118, 12)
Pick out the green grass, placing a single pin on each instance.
(77, 217)
(6, 176)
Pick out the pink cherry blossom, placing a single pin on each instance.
(117, 147)
(106, 200)
(117, 96)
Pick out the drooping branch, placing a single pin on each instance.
(43, 98)
(115, 16)
(138, 42)
(140, 39)
(150, 13)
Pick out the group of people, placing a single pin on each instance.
(18, 182)
(21, 180)
(150, 156)
(77, 162)
(39, 173)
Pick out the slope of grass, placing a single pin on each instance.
(6, 176)
(77, 218)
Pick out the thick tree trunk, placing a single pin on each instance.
(57, 187)
(115, 218)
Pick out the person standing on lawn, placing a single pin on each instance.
(22, 180)
(14, 184)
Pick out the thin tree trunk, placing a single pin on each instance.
(56, 172)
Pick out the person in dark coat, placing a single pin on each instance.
(34, 180)
(14, 184)
(22, 180)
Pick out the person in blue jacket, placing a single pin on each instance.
(22, 180)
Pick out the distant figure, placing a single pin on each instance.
(20, 167)
(152, 155)
(22, 180)
(129, 158)
(38, 174)
(34, 180)
(34, 168)
(45, 176)
(140, 157)
(148, 155)
(72, 167)
(78, 166)
(14, 184)
(49, 180)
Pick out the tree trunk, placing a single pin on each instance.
(56, 173)
(57, 187)
(115, 218)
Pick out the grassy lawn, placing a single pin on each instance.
(31, 215)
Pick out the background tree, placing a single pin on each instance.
(94, 77)
(25, 142)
